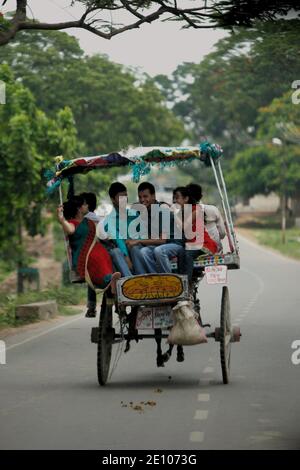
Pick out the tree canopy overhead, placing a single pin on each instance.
(112, 106)
(192, 14)
(220, 97)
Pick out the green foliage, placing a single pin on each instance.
(64, 296)
(112, 107)
(269, 167)
(272, 238)
(28, 140)
(281, 119)
(221, 96)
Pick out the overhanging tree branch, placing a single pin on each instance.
(209, 14)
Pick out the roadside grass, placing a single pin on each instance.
(5, 270)
(65, 297)
(272, 239)
(266, 230)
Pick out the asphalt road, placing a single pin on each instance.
(50, 398)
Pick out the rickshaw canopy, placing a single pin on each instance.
(140, 159)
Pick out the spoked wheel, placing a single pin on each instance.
(225, 335)
(105, 340)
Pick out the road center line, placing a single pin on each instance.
(203, 397)
(201, 414)
(197, 436)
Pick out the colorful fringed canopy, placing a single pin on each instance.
(140, 160)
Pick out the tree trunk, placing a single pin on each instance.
(20, 265)
(283, 218)
(295, 206)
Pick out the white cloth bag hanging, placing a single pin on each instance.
(186, 330)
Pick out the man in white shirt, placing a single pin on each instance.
(213, 219)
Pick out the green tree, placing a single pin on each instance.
(221, 96)
(113, 108)
(268, 167)
(26, 137)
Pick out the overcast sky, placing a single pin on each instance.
(156, 48)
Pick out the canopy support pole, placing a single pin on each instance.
(65, 238)
(228, 206)
(229, 234)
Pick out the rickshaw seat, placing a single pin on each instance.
(231, 260)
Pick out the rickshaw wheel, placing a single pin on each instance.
(225, 335)
(105, 341)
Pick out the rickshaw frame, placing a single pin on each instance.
(105, 335)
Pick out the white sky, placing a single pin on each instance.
(155, 48)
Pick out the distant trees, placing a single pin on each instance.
(60, 102)
(220, 97)
(113, 107)
(28, 140)
(272, 163)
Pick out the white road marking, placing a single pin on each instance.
(201, 414)
(265, 436)
(203, 397)
(259, 281)
(44, 333)
(252, 301)
(260, 438)
(273, 433)
(196, 436)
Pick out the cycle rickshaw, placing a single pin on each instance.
(154, 295)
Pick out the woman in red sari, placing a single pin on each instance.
(90, 259)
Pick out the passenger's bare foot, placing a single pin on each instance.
(113, 282)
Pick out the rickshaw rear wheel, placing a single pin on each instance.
(105, 340)
(225, 335)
